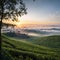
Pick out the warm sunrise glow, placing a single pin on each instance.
(40, 12)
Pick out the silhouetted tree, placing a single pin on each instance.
(10, 9)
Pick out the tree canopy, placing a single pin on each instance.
(11, 9)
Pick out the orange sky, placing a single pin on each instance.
(23, 23)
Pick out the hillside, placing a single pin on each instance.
(13, 49)
(48, 41)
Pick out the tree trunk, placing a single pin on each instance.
(0, 35)
(2, 10)
(0, 38)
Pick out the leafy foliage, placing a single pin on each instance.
(12, 9)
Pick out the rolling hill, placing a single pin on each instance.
(48, 41)
(14, 49)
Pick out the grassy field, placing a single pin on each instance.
(48, 41)
(14, 49)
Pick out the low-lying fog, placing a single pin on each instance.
(42, 31)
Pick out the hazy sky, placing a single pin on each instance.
(42, 12)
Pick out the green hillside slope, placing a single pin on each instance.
(13, 49)
(48, 41)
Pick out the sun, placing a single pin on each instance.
(19, 23)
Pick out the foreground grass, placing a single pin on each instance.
(13, 49)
